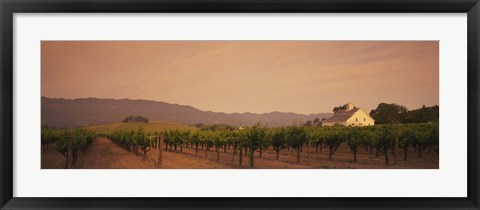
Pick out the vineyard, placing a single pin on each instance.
(69, 143)
(382, 140)
(243, 147)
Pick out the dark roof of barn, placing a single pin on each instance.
(341, 115)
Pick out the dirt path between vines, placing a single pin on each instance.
(104, 154)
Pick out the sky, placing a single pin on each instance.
(246, 76)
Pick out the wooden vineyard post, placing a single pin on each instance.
(69, 152)
(159, 150)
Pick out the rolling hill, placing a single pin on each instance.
(60, 112)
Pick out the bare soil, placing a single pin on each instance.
(104, 154)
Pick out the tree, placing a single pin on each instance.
(338, 108)
(195, 139)
(331, 137)
(217, 142)
(386, 138)
(234, 139)
(48, 138)
(80, 140)
(143, 142)
(296, 137)
(388, 113)
(356, 136)
(433, 137)
(317, 138)
(408, 138)
(278, 141)
(167, 139)
(185, 139)
(207, 139)
(242, 139)
(61, 145)
(256, 136)
(308, 123)
(176, 139)
(265, 143)
(422, 115)
(135, 119)
(199, 125)
(427, 136)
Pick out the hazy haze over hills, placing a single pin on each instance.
(93, 111)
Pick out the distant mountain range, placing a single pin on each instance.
(61, 112)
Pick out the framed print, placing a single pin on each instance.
(239, 105)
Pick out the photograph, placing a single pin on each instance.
(239, 104)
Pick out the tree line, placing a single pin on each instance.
(394, 113)
(131, 119)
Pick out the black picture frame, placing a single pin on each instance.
(9, 7)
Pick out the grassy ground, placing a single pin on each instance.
(151, 126)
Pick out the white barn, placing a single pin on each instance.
(351, 116)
